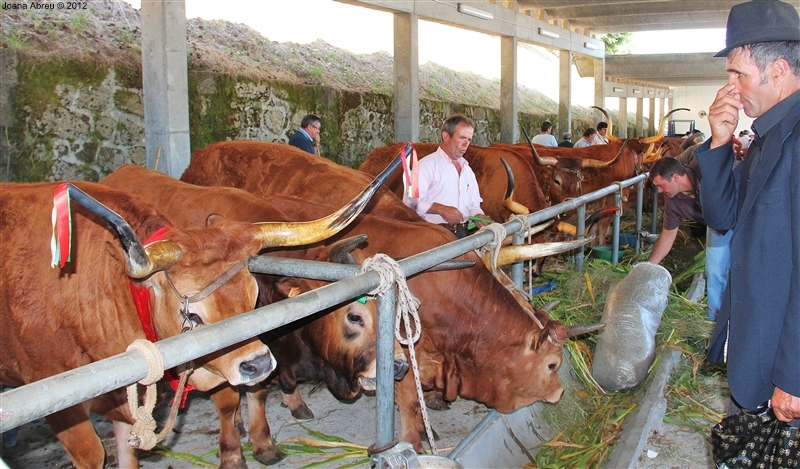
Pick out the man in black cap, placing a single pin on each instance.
(758, 327)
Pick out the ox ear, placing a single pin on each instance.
(214, 219)
(341, 251)
(287, 287)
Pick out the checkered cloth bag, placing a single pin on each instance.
(757, 440)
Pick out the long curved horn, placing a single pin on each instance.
(661, 123)
(340, 250)
(543, 161)
(609, 134)
(521, 252)
(592, 163)
(140, 261)
(508, 200)
(300, 233)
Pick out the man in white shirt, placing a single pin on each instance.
(448, 189)
(588, 138)
(546, 137)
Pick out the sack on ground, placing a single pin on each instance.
(626, 347)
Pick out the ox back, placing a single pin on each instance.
(260, 167)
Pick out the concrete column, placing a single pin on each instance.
(165, 85)
(406, 77)
(639, 129)
(564, 94)
(599, 88)
(509, 128)
(623, 118)
(661, 111)
(651, 125)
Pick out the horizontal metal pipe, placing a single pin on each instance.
(41, 398)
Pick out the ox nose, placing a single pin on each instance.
(258, 367)
(400, 369)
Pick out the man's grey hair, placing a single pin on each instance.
(452, 122)
(764, 53)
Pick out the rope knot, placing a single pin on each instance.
(492, 248)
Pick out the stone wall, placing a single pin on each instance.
(77, 120)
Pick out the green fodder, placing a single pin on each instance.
(588, 420)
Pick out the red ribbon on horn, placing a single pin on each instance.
(61, 240)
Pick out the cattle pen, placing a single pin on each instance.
(36, 400)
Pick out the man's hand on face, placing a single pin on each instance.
(723, 115)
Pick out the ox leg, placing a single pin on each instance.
(435, 401)
(264, 449)
(75, 431)
(294, 401)
(410, 417)
(126, 456)
(226, 400)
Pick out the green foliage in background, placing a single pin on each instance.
(617, 43)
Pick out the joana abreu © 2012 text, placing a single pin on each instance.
(44, 6)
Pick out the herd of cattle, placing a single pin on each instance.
(480, 339)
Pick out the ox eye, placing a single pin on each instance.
(353, 318)
(195, 318)
(552, 366)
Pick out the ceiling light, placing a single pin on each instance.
(649, 91)
(591, 46)
(549, 34)
(636, 91)
(617, 90)
(468, 10)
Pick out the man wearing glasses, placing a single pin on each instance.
(307, 136)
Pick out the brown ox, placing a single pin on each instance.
(283, 165)
(478, 342)
(55, 320)
(337, 348)
(85, 326)
(489, 171)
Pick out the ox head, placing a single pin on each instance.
(345, 338)
(198, 277)
(531, 372)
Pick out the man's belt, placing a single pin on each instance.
(455, 226)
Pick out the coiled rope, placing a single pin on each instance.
(406, 310)
(143, 433)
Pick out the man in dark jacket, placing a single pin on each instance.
(307, 136)
(758, 328)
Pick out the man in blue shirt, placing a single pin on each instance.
(307, 136)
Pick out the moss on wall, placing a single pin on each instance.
(211, 115)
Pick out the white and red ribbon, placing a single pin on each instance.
(411, 179)
(61, 241)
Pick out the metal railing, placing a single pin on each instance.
(36, 400)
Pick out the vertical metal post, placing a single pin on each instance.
(655, 210)
(581, 214)
(384, 422)
(615, 231)
(639, 205)
(517, 268)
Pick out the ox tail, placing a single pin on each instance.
(301, 233)
(141, 261)
(508, 200)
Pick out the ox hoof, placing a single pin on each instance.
(424, 437)
(434, 401)
(302, 412)
(268, 457)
